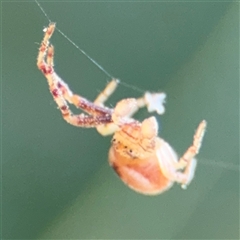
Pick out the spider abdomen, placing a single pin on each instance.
(142, 175)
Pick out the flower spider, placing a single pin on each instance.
(144, 161)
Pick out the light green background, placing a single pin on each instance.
(56, 182)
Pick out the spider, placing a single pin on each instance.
(145, 162)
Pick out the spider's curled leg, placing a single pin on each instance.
(61, 93)
(107, 92)
(193, 150)
(173, 169)
(41, 63)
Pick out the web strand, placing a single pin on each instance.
(220, 164)
(86, 55)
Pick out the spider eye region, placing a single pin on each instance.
(125, 147)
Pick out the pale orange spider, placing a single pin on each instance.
(144, 161)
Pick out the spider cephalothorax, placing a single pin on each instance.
(144, 161)
(136, 139)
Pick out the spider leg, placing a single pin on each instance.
(153, 101)
(172, 169)
(61, 93)
(77, 100)
(95, 108)
(107, 92)
(109, 128)
(193, 150)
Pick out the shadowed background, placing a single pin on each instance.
(56, 182)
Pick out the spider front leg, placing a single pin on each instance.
(77, 100)
(172, 169)
(61, 93)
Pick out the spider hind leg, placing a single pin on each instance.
(181, 171)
